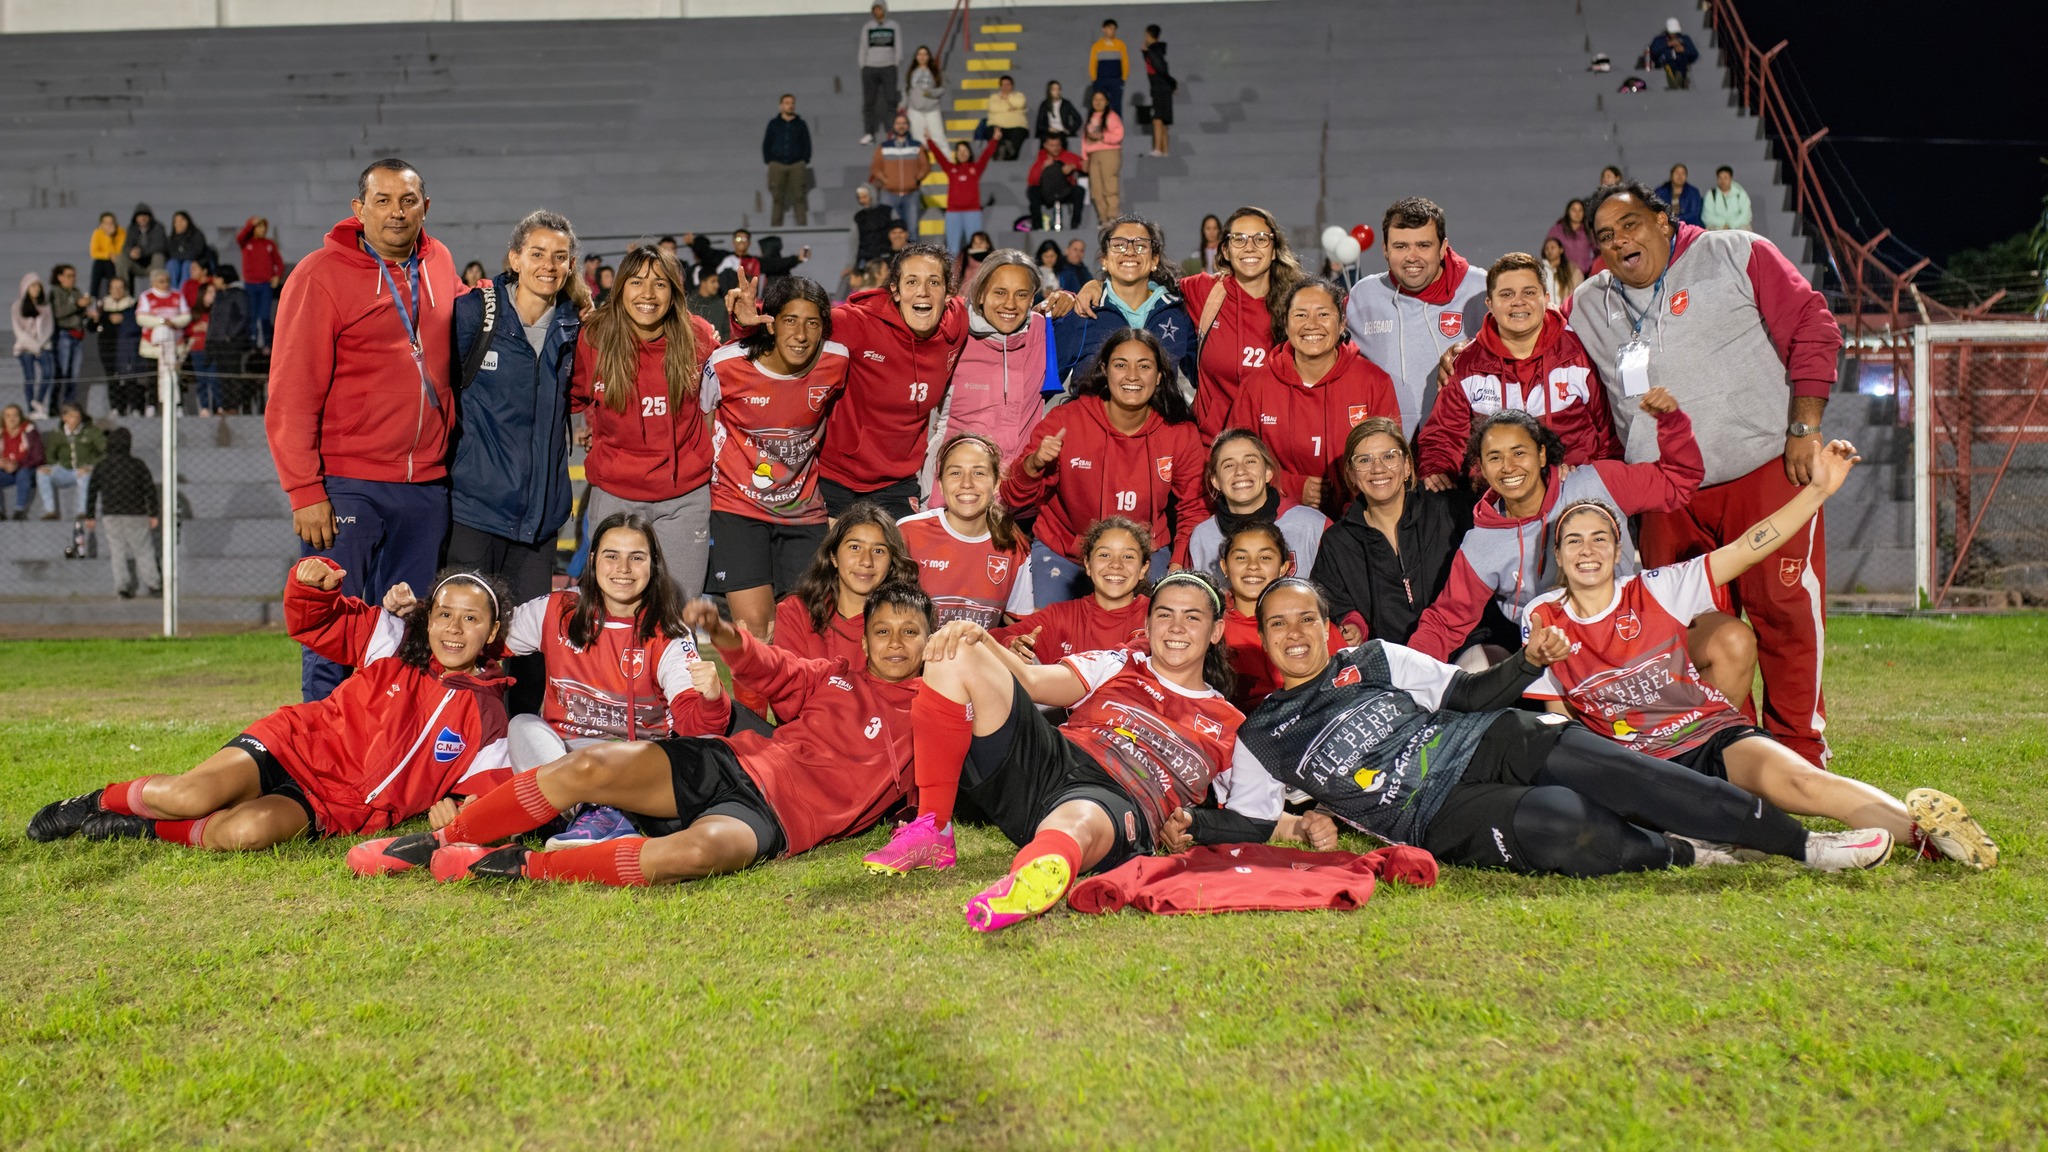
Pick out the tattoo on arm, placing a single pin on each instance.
(1763, 536)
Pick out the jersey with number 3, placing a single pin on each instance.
(765, 433)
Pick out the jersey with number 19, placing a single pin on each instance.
(766, 429)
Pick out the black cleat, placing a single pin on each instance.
(116, 826)
(64, 818)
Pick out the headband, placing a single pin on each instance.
(470, 578)
(1595, 505)
(1185, 577)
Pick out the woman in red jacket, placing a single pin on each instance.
(636, 378)
(963, 189)
(1311, 392)
(1124, 446)
(423, 717)
(822, 618)
(1116, 551)
(262, 273)
(1257, 269)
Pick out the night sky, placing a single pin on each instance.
(1890, 80)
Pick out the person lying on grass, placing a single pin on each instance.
(706, 805)
(422, 717)
(1415, 751)
(1629, 679)
(1148, 739)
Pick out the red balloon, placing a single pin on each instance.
(1363, 234)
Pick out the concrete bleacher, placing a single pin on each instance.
(1323, 111)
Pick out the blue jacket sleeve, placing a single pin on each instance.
(1052, 362)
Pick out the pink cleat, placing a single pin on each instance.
(457, 861)
(392, 854)
(1021, 895)
(918, 844)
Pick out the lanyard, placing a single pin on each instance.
(408, 318)
(1635, 318)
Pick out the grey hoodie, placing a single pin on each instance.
(1406, 336)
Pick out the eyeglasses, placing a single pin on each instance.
(1249, 239)
(1372, 462)
(1124, 247)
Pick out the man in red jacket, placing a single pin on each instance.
(360, 406)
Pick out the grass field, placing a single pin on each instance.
(157, 997)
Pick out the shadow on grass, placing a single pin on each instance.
(916, 1080)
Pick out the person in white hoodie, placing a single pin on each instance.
(35, 328)
(1422, 311)
(163, 316)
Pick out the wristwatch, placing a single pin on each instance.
(1798, 429)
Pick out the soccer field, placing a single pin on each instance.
(159, 997)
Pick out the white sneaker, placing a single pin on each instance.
(1947, 827)
(868, 139)
(1707, 854)
(1841, 851)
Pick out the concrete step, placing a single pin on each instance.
(141, 613)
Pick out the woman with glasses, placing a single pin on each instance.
(1140, 290)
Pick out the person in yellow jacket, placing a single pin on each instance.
(1109, 62)
(107, 241)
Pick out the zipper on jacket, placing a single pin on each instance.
(425, 730)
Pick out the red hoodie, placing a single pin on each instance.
(963, 181)
(841, 639)
(875, 434)
(1305, 424)
(391, 739)
(1557, 384)
(1103, 472)
(647, 452)
(1236, 344)
(1075, 626)
(345, 392)
(841, 756)
(261, 261)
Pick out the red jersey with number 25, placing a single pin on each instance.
(765, 433)
(968, 578)
(1629, 676)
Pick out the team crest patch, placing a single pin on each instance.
(819, 394)
(633, 662)
(1789, 569)
(1347, 677)
(1165, 465)
(448, 745)
(1680, 301)
(998, 569)
(1209, 728)
(1628, 626)
(1451, 324)
(1356, 412)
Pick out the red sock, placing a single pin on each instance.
(126, 798)
(944, 729)
(1048, 842)
(511, 808)
(613, 862)
(190, 833)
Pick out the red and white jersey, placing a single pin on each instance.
(765, 433)
(1629, 676)
(1069, 627)
(617, 688)
(967, 577)
(1165, 745)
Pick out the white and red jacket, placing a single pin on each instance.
(967, 577)
(1103, 472)
(1557, 384)
(840, 758)
(651, 451)
(1071, 627)
(391, 739)
(617, 688)
(765, 433)
(1237, 343)
(876, 434)
(165, 315)
(1305, 424)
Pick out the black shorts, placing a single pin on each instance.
(273, 780)
(1162, 104)
(710, 782)
(1476, 824)
(1706, 759)
(898, 499)
(1019, 773)
(749, 553)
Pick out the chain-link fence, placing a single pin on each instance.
(1981, 496)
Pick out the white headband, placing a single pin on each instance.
(472, 578)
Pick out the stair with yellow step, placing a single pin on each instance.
(988, 56)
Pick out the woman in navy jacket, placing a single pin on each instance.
(510, 472)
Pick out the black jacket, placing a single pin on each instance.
(871, 225)
(786, 141)
(151, 240)
(187, 245)
(1361, 573)
(1063, 119)
(121, 485)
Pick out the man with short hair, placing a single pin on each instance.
(1726, 204)
(1109, 62)
(1734, 331)
(1052, 181)
(898, 169)
(881, 55)
(360, 404)
(870, 227)
(1418, 314)
(1159, 78)
(786, 149)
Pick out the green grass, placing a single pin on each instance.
(157, 997)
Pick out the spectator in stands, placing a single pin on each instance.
(1231, 310)
(184, 249)
(899, 239)
(668, 246)
(979, 246)
(881, 54)
(1159, 79)
(786, 150)
(1056, 116)
(926, 99)
(774, 264)
(592, 262)
(1053, 182)
(1574, 234)
(163, 316)
(607, 278)
(473, 273)
(1006, 119)
(1726, 204)
(145, 248)
(124, 494)
(21, 454)
(35, 336)
(1674, 53)
(108, 242)
(1051, 267)
(120, 344)
(229, 340)
(1728, 325)
(262, 276)
(708, 304)
(206, 389)
(742, 264)
(963, 191)
(1561, 277)
(1102, 148)
(1109, 64)
(1208, 258)
(1609, 175)
(870, 226)
(1143, 292)
(74, 446)
(70, 312)
(898, 169)
(1077, 254)
(1683, 196)
(1412, 318)
(1385, 559)
(360, 405)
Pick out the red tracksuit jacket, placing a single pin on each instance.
(1075, 626)
(841, 639)
(1557, 384)
(1237, 344)
(963, 181)
(1102, 472)
(875, 434)
(391, 739)
(840, 759)
(1305, 424)
(647, 452)
(1250, 878)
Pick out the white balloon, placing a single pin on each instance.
(1333, 236)
(1348, 250)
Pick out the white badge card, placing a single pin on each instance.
(1634, 362)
